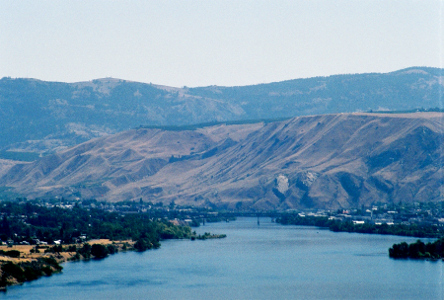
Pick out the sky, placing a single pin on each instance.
(221, 42)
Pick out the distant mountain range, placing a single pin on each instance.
(38, 117)
(324, 161)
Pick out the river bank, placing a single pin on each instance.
(21, 263)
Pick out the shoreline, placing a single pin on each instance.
(29, 265)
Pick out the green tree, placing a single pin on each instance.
(85, 251)
(99, 251)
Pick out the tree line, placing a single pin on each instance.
(414, 230)
(28, 222)
(418, 250)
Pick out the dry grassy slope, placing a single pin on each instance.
(5, 165)
(327, 161)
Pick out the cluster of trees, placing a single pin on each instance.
(208, 235)
(10, 253)
(348, 226)
(418, 250)
(396, 229)
(86, 251)
(30, 222)
(295, 219)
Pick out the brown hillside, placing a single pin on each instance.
(327, 161)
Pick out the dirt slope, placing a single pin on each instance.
(327, 161)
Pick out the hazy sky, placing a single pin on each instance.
(199, 43)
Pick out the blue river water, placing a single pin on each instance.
(266, 261)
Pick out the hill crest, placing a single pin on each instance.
(51, 116)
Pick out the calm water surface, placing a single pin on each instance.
(269, 261)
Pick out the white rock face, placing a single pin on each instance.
(282, 184)
(310, 177)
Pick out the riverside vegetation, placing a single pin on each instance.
(45, 236)
(432, 250)
(414, 230)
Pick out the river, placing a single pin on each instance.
(266, 261)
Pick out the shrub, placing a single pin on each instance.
(99, 251)
(12, 253)
(13, 270)
(112, 249)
